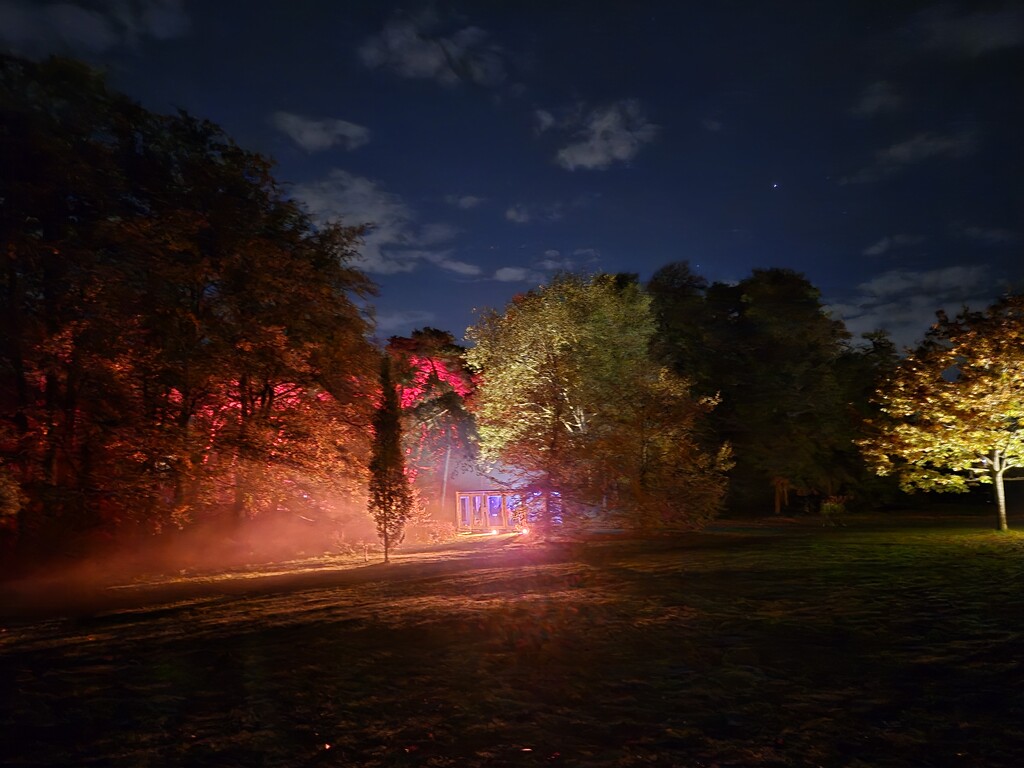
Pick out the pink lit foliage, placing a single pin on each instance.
(427, 374)
(433, 387)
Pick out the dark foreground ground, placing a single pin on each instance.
(879, 644)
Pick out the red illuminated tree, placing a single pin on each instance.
(391, 499)
(180, 339)
(434, 384)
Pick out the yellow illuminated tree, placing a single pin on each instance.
(570, 398)
(953, 410)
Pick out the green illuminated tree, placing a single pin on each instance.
(570, 398)
(391, 497)
(953, 410)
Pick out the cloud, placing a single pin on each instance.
(592, 254)
(876, 98)
(518, 275)
(544, 119)
(403, 319)
(969, 34)
(553, 261)
(891, 241)
(443, 260)
(991, 235)
(921, 147)
(517, 214)
(904, 302)
(410, 47)
(465, 202)
(394, 242)
(37, 28)
(603, 137)
(316, 135)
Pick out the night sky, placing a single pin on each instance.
(873, 146)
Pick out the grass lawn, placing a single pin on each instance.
(879, 644)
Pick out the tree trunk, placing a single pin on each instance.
(1000, 500)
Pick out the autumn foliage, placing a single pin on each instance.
(952, 413)
(180, 343)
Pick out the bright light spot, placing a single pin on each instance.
(524, 531)
(327, 746)
(494, 532)
(775, 186)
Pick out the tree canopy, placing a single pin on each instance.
(180, 338)
(571, 400)
(953, 410)
(782, 368)
(439, 433)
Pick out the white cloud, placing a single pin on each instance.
(518, 275)
(904, 302)
(614, 134)
(316, 135)
(991, 235)
(917, 149)
(969, 34)
(889, 242)
(544, 120)
(517, 214)
(553, 261)
(411, 47)
(878, 248)
(443, 260)
(465, 202)
(394, 242)
(37, 28)
(877, 97)
(402, 320)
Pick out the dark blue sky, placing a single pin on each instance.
(873, 146)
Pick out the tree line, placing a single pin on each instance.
(183, 344)
(180, 340)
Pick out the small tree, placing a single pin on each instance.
(953, 410)
(391, 496)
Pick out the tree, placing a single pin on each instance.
(953, 410)
(179, 338)
(769, 351)
(391, 496)
(434, 384)
(571, 401)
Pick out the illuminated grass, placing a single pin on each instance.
(784, 646)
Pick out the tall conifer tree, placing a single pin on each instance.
(391, 498)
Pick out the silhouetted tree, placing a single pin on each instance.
(767, 348)
(391, 497)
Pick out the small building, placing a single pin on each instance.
(489, 510)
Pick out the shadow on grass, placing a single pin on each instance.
(874, 646)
